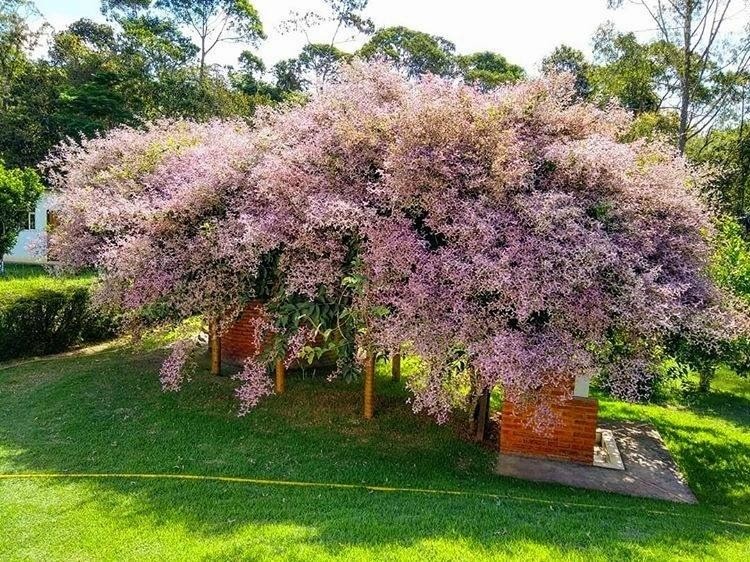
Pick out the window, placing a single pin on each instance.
(32, 220)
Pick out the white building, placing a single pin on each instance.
(30, 246)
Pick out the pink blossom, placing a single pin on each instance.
(512, 227)
(172, 373)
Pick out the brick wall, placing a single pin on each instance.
(571, 438)
(237, 343)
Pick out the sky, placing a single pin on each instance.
(524, 31)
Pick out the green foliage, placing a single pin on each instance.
(288, 76)
(19, 191)
(629, 71)
(98, 77)
(214, 21)
(653, 125)
(488, 70)
(731, 269)
(685, 366)
(412, 52)
(40, 315)
(731, 264)
(728, 152)
(321, 60)
(570, 60)
(239, 18)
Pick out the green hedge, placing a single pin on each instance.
(49, 317)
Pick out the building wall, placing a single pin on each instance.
(30, 245)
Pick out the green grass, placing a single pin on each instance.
(21, 280)
(103, 412)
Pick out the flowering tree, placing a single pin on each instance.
(505, 237)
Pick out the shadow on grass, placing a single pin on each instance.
(105, 413)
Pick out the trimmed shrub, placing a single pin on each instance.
(44, 320)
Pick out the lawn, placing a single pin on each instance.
(21, 280)
(101, 412)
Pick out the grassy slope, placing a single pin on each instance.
(103, 412)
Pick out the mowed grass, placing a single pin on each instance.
(103, 412)
(21, 280)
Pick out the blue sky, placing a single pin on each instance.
(522, 30)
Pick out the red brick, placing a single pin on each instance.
(571, 438)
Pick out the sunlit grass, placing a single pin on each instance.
(20, 280)
(104, 413)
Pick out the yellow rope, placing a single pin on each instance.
(365, 487)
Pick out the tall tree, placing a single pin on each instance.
(212, 21)
(488, 70)
(320, 58)
(413, 53)
(638, 74)
(709, 57)
(17, 40)
(216, 21)
(288, 76)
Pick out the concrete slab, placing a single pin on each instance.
(649, 471)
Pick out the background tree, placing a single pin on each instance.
(216, 21)
(636, 74)
(727, 150)
(707, 59)
(28, 89)
(570, 60)
(488, 70)
(19, 191)
(99, 91)
(413, 53)
(17, 40)
(318, 60)
(211, 21)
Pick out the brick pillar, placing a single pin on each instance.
(571, 437)
(238, 342)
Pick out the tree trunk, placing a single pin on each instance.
(368, 410)
(482, 416)
(202, 71)
(685, 84)
(396, 367)
(214, 344)
(280, 385)
(704, 380)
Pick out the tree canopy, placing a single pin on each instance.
(505, 237)
(413, 53)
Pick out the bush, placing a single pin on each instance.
(44, 318)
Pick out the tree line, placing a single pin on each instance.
(150, 59)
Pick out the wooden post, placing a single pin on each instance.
(369, 387)
(483, 415)
(214, 343)
(280, 376)
(396, 366)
